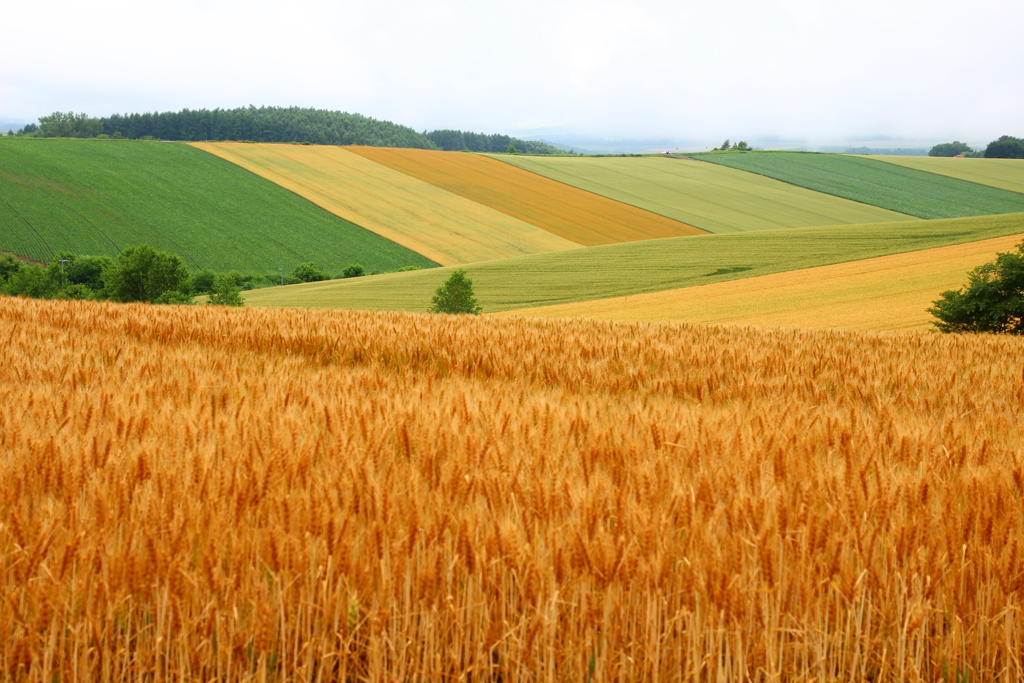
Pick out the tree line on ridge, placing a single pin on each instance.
(273, 124)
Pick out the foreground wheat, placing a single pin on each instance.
(200, 493)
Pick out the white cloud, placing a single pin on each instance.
(698, 70)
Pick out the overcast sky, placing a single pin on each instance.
(698, 71)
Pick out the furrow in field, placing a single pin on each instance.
(578, 215)
(715, 198)
(429, 220)
(884, 293)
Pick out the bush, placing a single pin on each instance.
(307, 272)
(455, 296)
(226, 290)
(950, 149)
(406, 269)
(8, 267)
(511, 149)
(35, 282)
(355, 270)
(202, 282)
(992, 302)
(173, 297)
(143, 274)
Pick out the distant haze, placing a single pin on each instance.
(683, 72)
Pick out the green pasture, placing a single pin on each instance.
(647, 266)
(1007, 174)
(887, 185)
(715, 198)
(101, 196)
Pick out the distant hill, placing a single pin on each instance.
(274, 124)
(266, 124)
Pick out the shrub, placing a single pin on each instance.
(202, 282)
(307, 272)
(226, 290)
(8, 267)
(455, 296)
(406, 269)
(355, 270)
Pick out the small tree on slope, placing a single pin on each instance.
(455, 296)
(992, 302)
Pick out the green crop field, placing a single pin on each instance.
(101, 196)
(647, 266)
(1007, 174)
(714, 198)
(894, 187)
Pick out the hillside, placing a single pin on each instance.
(427, 219)
(100, 196)
(878, 183)
(884, 293)
(1006, 174)
(204, 494)
(635, 267)
(265, 124)
(710, 197)
(577, 215)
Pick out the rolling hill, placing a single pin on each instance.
(422, 217)
(569, 212)
(884, 293)
(710, 197)
(878, 183)
(1006, 174)
(636, 267)
(101, 196)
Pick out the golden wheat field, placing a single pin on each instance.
(199, 494)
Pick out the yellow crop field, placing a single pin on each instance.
(583, 217)
(197, 494)
(884, 293)
(442, 226)
(1007, 174)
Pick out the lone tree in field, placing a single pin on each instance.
(992, 302)
(455, 296)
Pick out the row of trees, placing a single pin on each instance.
(139, 274)
(1006, 147)
(458, 140)
(272, 124)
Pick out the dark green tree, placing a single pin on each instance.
(511, 149)
(307, 272)
(226, 290)
(455, 296)
(949, 149)
(1006, 147)
(35, 282)
(725, 146)
(993, 300)
(8, 267)
(202, 282)
(355, 270)
(143, 274)
(69, 125)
